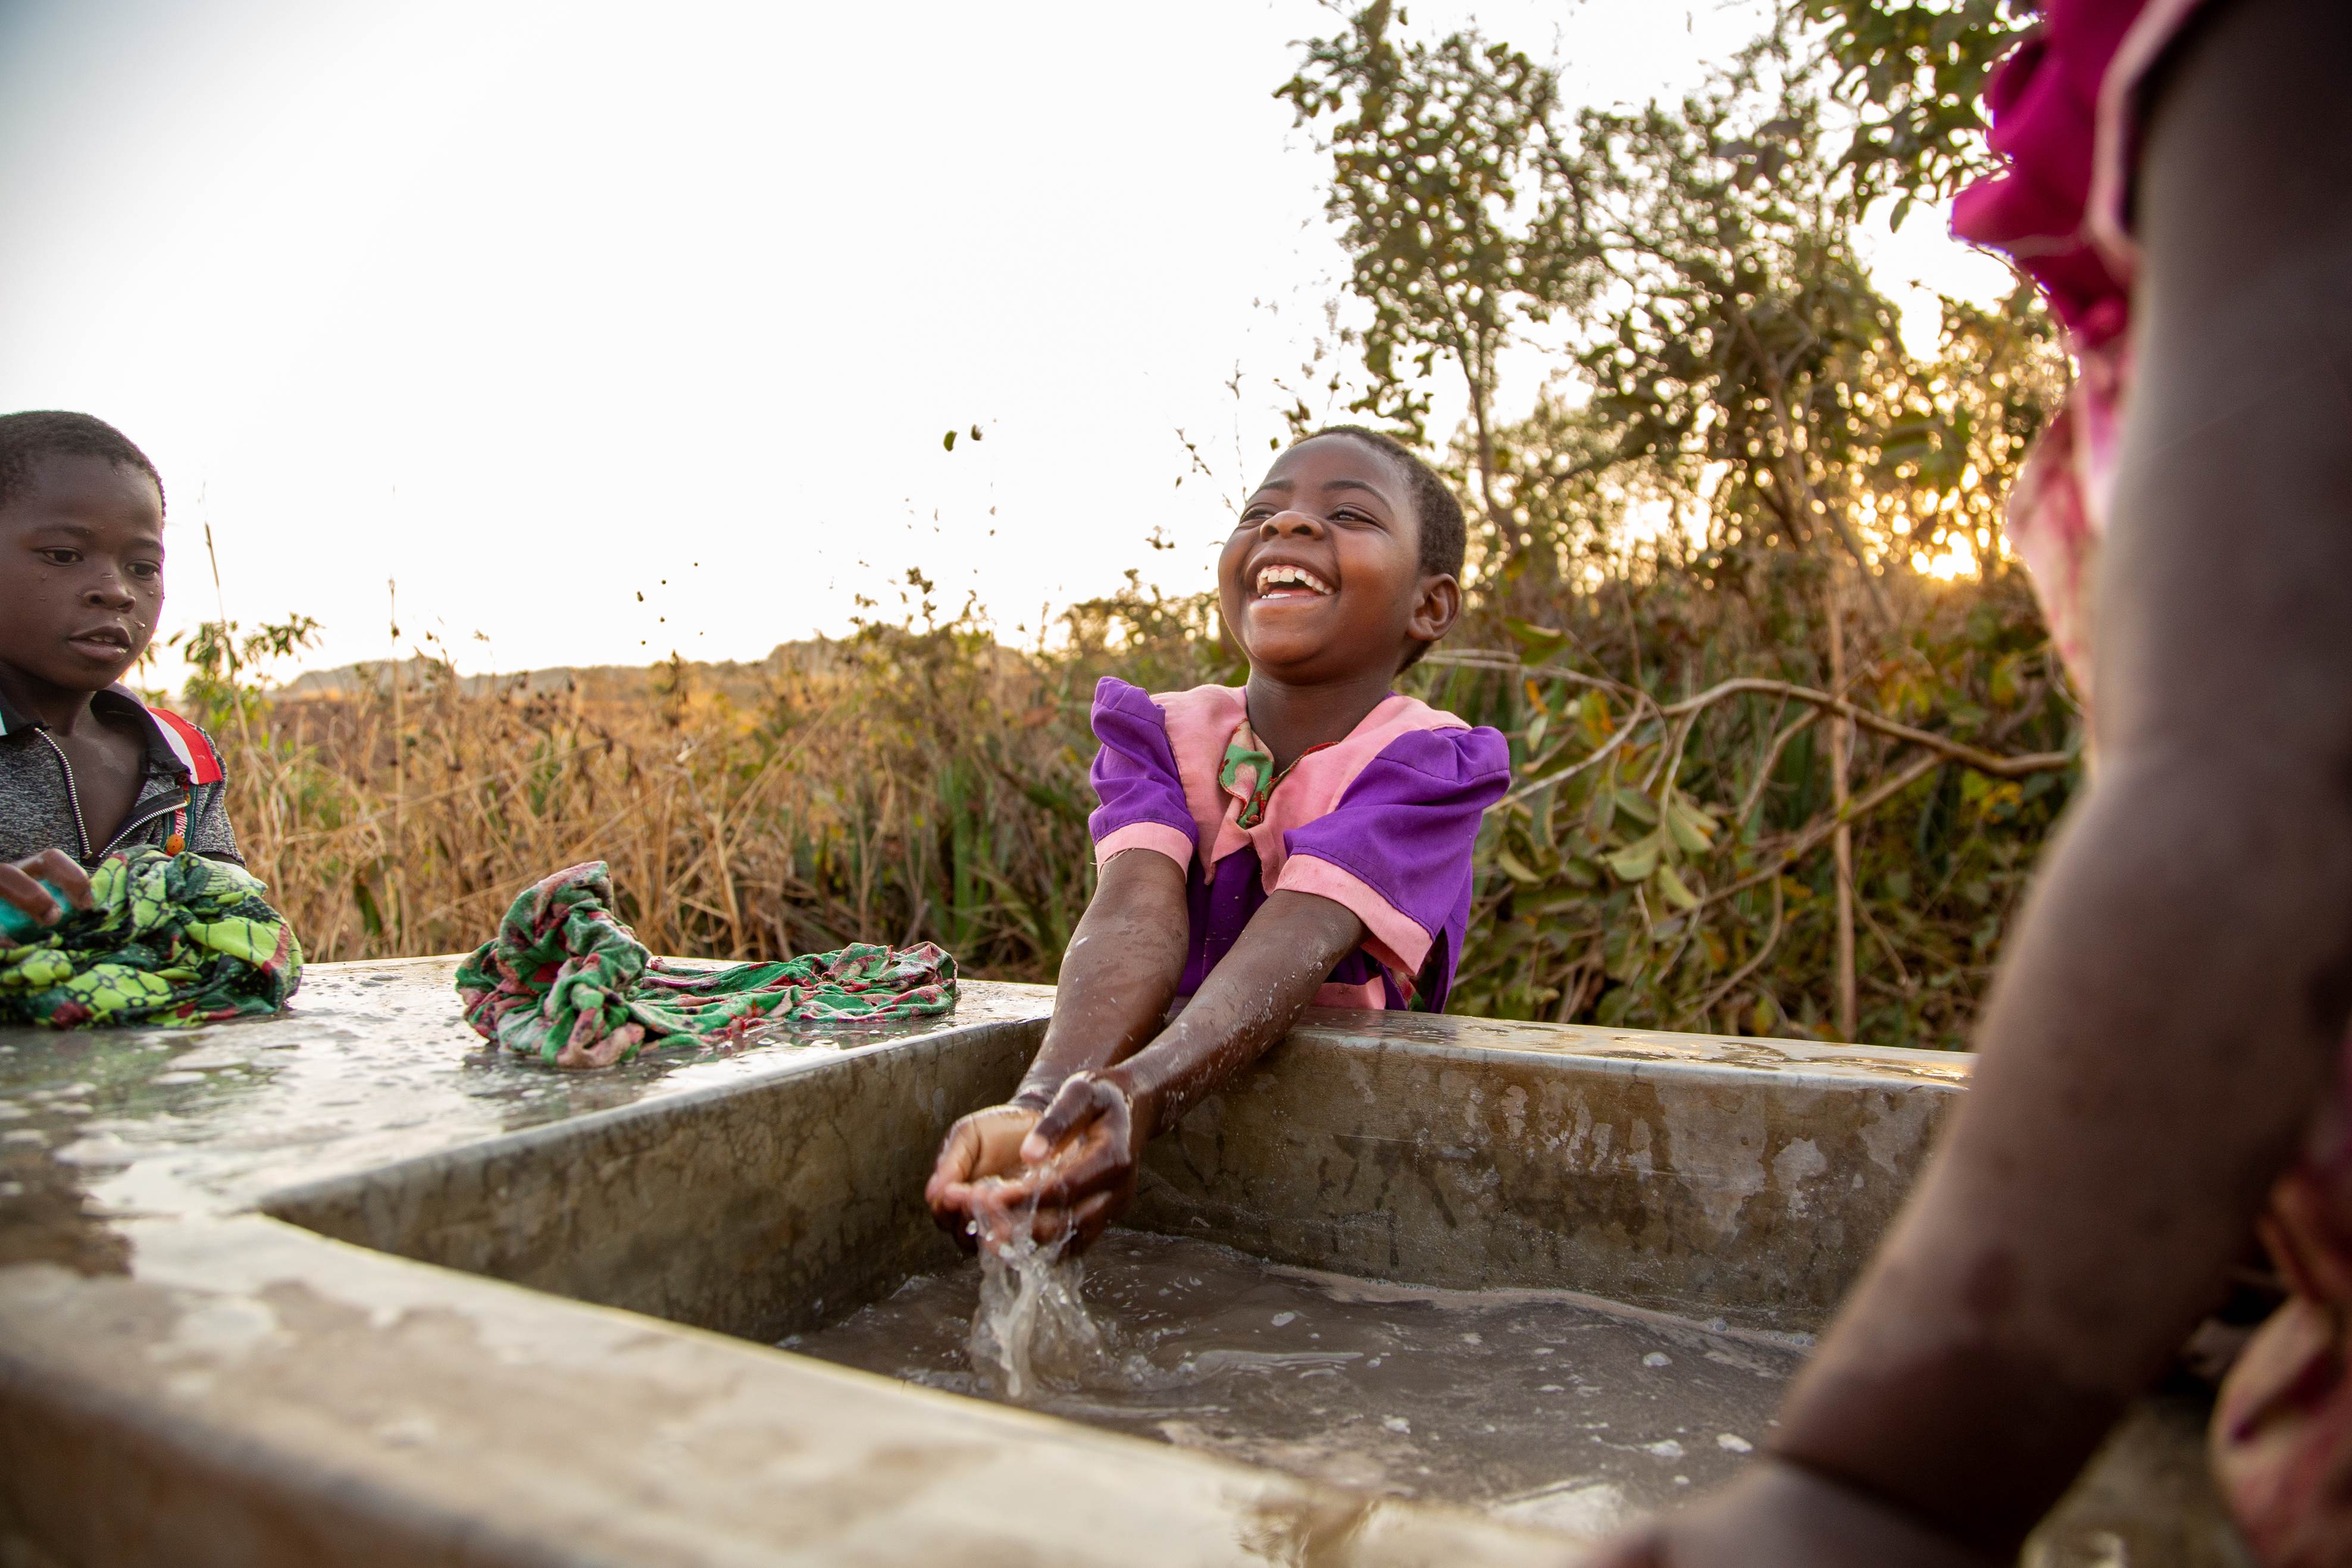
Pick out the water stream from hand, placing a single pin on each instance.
(1030, 1329)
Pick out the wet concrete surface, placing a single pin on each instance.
(372, 1064)
(339, 1286)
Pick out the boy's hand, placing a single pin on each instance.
(978, 1154)
(1778, 1515)
(20, 886)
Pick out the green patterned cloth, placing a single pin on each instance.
(177, 940)
(1248, 773)
(564, 981)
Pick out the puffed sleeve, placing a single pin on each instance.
(1396, 848)
(1135, 778)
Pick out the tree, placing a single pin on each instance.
(1445, 175)
(1913, 70)
(1742, 354)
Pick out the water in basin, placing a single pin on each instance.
(1540, 1406)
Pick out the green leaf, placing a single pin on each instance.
(1638, 806)
(1602, 814)
(1539, 640)
(1635, 862)
(1670, 888)
(1515, 868)
(1692, 830)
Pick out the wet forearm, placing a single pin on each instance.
(2173, 1009)
(1120, 974)
(2150, 1060)
(1248, 1003)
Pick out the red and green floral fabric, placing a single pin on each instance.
(566, 982)
(174, 940)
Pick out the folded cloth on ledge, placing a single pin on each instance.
(176, 940)
(566, 982)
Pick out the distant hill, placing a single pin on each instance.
(600, 680)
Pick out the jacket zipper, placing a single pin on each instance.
(129, 825)
(73, 796)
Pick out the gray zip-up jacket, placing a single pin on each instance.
(183, 792)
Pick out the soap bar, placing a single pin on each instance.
(17, 924)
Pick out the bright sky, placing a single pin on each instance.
(535, 308)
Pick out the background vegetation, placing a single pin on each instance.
(1788, 730)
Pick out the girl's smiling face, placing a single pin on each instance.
(1321, 580)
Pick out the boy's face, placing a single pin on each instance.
(1322, 577)
(81, 570)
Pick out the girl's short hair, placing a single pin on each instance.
(1435, 511)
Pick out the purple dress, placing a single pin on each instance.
(1382, 822)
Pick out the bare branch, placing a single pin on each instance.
(2016, 767)
(1771, 761)
(1755, 962)
(2021, 766)
(1813, 837)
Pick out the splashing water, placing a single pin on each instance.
(1030, 1331)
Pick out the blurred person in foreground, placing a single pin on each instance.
(1302, 840)
(2164, 1055)
(86, 767)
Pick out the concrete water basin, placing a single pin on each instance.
(336, 1288)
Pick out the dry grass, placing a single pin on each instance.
(908, 785)
(929, 784)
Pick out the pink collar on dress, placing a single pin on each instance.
(1201, 723)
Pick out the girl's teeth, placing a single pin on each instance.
(1276, 577)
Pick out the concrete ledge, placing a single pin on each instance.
(1731, 1179)
(259, 1396)
(742, 1208)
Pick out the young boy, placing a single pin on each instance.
(1304, 839)
(85, 766)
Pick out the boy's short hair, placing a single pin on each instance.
(1435, 511)
(26, 438)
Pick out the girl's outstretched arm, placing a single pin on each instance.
(1083, 1154)
(1117, 980)
(2171, 1012)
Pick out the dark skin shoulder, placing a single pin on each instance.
(82, 569)
(2172, 1010)
(1321, 584)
